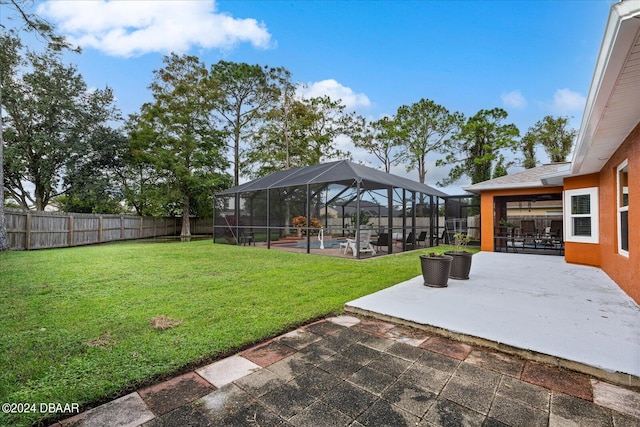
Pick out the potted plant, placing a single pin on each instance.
(461, 263)
(435, 269)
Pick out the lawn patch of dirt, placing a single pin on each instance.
(162, 322)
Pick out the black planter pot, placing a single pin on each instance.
(435, 270)
(460, 265)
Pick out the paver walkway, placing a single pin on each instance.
(350, 371)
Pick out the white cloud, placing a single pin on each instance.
(132, 28)
(566, 101)
(514, 99)
(335, 91)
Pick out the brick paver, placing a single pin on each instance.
(556, 379)
(333, 373)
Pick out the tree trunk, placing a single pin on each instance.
(4, 239)
(185, 235)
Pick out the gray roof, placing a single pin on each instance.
(339, 172)
(541, 176)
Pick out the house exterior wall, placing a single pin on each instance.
(487, 200)
(583, 253)
(624, 271)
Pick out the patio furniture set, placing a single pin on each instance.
(528, 237)
(366, 245)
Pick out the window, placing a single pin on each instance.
(623, 208)
(581, 210)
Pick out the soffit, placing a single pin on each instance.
(613, 105)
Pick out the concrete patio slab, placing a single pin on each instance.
(536, 303)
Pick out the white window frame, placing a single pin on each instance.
(592, 192)
(620, 209)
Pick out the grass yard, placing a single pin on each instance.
(77, 323)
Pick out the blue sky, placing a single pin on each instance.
(532, 58)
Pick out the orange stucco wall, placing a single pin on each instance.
(624, 271)
(487, 210)
(583, 253)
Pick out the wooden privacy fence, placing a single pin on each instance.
(39, 230)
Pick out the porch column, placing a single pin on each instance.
(491, 210)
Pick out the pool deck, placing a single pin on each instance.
(536, 306)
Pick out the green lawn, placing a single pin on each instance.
(76, 322)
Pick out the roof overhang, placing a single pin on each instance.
(555, 178)
(612, 109)
(549, 175)
(478, 188)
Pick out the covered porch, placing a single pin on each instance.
(523, 212)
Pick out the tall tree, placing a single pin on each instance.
(243, 94)
(305, 135)
(424, 127)
(318, 122)
(478, 145)
(272, 146)
(92, 180)
(10, 61)
(174, 133)
(528, 149)
(50, 117)
(376, 137)
(32, 23)
(555, 136)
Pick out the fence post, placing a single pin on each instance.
(100, 229)
(27, 239)
(154, 227)
(121, 228)
(141, 227)
(70, 242)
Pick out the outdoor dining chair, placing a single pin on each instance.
(383, 240)
(528, 228)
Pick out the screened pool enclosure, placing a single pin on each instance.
(322, 206)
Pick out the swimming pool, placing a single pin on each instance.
(315, 244)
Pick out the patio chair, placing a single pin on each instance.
(556, 233)
(422, 237)
(246, 239)
(556, 229)
(528, 228)
(408, 241)
(383, 240)
(362, 243)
